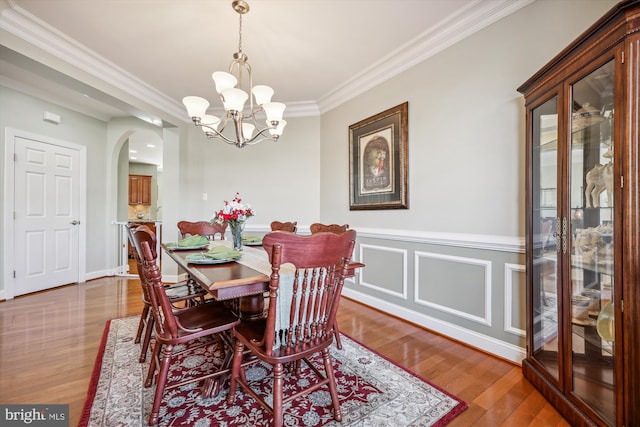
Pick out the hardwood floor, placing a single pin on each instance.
(49, 341)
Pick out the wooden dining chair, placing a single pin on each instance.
(291, 227)
(318, 227)
(183, 328)
(181, 294)
(202, 228)
(308, 296)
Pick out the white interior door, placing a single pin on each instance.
(47, 215)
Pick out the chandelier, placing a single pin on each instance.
(229, 86)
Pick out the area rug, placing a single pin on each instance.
(373, 391)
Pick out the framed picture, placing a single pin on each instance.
(378, 161)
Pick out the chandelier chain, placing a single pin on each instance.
(240, 35)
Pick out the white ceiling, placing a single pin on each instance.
(316, 54)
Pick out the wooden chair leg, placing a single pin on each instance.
(328, 368)
(278, 382)
(143, 321)
(161, 381)
(235, 370)
(148, 382)
(147, 339)
(336, 334)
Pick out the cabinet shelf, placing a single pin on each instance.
(586, 331)
(603, 266)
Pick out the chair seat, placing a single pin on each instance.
(252, 332)
(201, 320)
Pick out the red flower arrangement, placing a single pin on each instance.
(234, 212)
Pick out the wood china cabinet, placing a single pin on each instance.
(140, 189)
(583, 224)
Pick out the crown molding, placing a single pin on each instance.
(455, 28)
(294, 109)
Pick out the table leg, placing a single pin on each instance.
(251, 307)
(213, 385)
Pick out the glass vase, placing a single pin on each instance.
(236, 235)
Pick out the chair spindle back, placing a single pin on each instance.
(305, 287)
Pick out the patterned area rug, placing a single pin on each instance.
(373, 391)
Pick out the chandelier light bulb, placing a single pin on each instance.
(234, 99)
(277, 131)
(274, 111)
(209, 121)
(196, 106)
(223, 80)
(262, 94)
(247, 130)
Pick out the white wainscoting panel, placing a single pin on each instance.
(486, 319)
(372, 270)
(509, 309)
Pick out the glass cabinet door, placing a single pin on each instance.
(591, 218)
(546, 228)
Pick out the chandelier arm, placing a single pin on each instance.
(218, 134)
(252, 140)
(223, 125)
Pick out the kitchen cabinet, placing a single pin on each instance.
(140, 189)
(583, 225)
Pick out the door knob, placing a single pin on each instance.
(74, 222)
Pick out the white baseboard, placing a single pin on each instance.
(101, 273)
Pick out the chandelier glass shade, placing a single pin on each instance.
(263, 118)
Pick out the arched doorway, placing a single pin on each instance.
(140, 161)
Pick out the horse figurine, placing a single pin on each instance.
(599, 179)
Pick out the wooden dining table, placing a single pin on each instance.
(233, 280)
(226, 281)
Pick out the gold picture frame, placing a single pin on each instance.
(378, 161)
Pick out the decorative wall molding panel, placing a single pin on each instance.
(376, 276)
(483, 279)
(511, 286)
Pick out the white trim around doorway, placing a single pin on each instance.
(8, 291)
